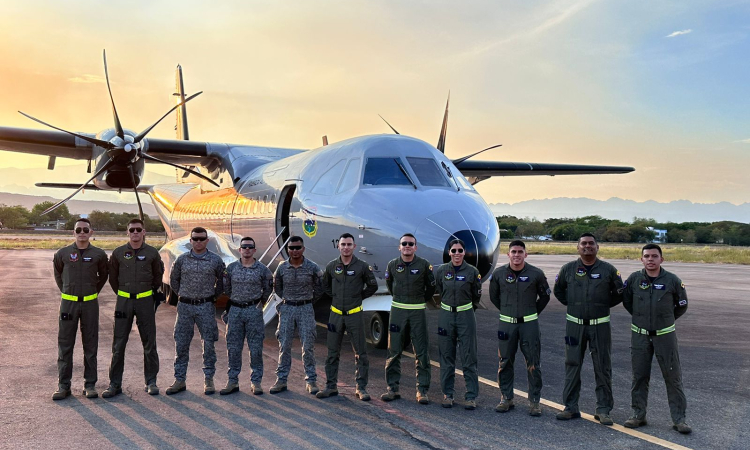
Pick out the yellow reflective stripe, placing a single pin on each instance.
(509, 319)
(74, 298)
(351, 311)
(458, 308)
(598, 321)
(409, 305)
(639, 330)
(141, 295)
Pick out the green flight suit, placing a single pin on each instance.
(589, 293)
(520, 297)
(411, 284)
(655, 305)
(80, 275)
(347, 285)
(460, 290)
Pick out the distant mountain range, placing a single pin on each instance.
(80, 206)
(625, 210)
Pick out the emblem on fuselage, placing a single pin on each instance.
(310, 225)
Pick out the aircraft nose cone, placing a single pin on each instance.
(479, 250)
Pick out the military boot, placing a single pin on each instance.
(635, 422)
(390, 395)
(447, 402)
(312, 387)
(230, 388)
(177, 386)
(534, 409)
(208, 386)
(604, 419)
(111, 391)
(327, 392)
(567, 415)
(280, 386)
(505, 405)
(683, 428)
(61, 394)
(90, 392)
(152, 389)
(422, 398)
(255, 387)
(362, 394)
(470, 404)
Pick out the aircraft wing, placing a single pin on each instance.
(43, 142)
(482, 170)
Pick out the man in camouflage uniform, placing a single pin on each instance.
(656, 299)
(411, 282)
(347, 280)
(298, 283)
(197, 278)
(247, 283)
(136, 271)
(80, 273)
(589, 287)
(520, 291)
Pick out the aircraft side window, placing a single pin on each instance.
(384, 171)
(428, 172)
(327, 183)
(351, 177)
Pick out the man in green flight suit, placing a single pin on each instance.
(655, 298)
(410, 281)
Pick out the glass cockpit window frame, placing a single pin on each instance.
(428, 172)
(384, 171)
(351, 177)
(329, 181)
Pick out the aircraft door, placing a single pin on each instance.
(288, 217)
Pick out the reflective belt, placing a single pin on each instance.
(141, 295)
(587, 322)
(465, 307)
(409, 305)
(523, 319)
(638, 330)
(75, 298)
(346, 313)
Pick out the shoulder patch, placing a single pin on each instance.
(479, 276)
(682, 285)
(430, 266)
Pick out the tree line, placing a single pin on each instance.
(606, 230)
(19, 218)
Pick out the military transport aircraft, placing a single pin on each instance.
(375, 187)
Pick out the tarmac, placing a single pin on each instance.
(714, 338)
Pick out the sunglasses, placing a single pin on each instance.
(408, 244)
(198, 239)
(247, 246)
(135, 230)
(295, 247)
(457, 250)
(84, 230)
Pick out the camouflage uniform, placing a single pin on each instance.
(299, 287)
(135, 272)
(198, 281)
(246, 287)
(80, 275)
(347, 285)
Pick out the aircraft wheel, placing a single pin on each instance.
(379, 329)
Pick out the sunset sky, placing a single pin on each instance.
(661, 86)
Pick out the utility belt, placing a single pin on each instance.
(346, 313)
(80, 298)
(136, 296)
(299, 303)
(598, 321)
(400, 305)
(196, 301)
(509, 319)
(646, 332)
(465, 307)
(245, 304)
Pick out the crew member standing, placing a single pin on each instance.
(247, 283)
(136, 271)
(460, 286)
(520, 291)
(411, 282)
(347, 280)
(197, 278)
(298, 282)
(81, 273)
(655, 298)
(589, 287)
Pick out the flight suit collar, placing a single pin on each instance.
(594, 266)
(661, 273)
(354, 259)
(401, 260)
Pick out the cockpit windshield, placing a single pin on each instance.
(428, 172)
(384, 171)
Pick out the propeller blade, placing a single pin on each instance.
(386, 122)
(118, 126)
(98, 172)
(458, 161)
(143, 133)
(444, 128)
(197, 174)
(99, 142)
(135, 189)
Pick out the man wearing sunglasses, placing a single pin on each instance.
(298, 282)
(347, 280)
(520, 291)
(136, 271)
(80, 273)
(197, 277)
(247, 282)
(411, 282)
(460, 286)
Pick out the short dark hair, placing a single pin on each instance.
(83, 219)
(587, 235)
(247, 238)
(198, 230)
(297, 239)
(457, 241)
(651, 247)
(409, 235)
(346, 236)
(138, 221)
(517, 243)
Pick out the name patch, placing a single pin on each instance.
(460, 278)
(141, 257)
(523, 279)
(87, 259)
(349, 273)
(596, 275)
(414, 271)
(659, 287)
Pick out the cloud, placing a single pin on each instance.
(87, 78)
(744, 141)
(678, 33)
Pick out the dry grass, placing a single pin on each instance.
(722, 254)
(54, 244)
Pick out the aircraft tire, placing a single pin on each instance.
(379, 329)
